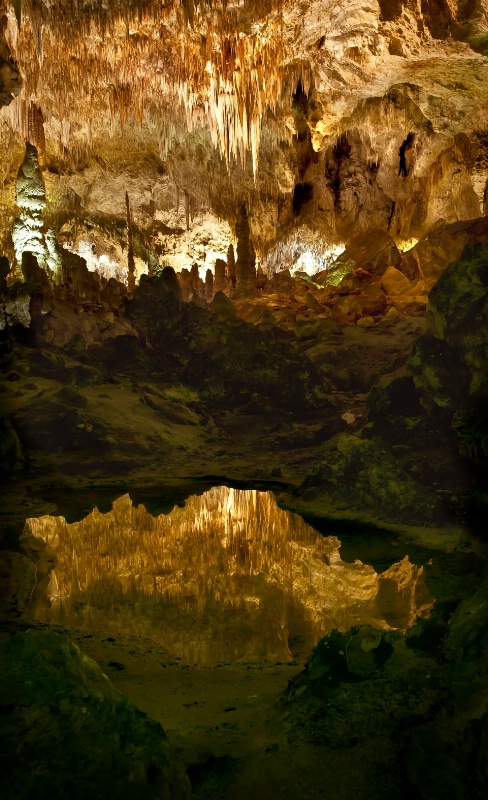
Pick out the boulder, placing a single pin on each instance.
(449, 364)
(441, 247)
(43, 557)
(363, 476)
(17, 582)
(372, 251)
(67, 732)
(394, 282)
(342, 657)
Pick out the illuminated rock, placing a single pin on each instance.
(372, 251)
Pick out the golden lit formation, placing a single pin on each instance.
(229, 576)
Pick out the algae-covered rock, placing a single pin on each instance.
(450, 363)
(364, 475)
(17, 583)
(338, 657)
(467, 635)
(67, 733)
(11, 456)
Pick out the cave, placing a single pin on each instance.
(302, 194)
(406, 155)
(244, 392)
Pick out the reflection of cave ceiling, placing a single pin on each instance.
(340, 116)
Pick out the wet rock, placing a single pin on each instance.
(59, 427)
(11, 455)
(15, 307)
(17, 582)
(43, 557)
(66, 732)
(447, 759)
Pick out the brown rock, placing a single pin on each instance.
(444, 245)
(393, 282)
(371, 251)
(365, 322)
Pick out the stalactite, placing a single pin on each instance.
(35, 132)
(187, 210)
(17, 6)
(208, 64)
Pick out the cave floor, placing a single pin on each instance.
(228, 725)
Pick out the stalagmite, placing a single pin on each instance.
(30, 197)
(131, 267)
(220, 282)
(246, 259)
(209, 285)
(231, 266)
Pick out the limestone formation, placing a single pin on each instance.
(242, 244)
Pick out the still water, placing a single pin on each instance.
(228, 577)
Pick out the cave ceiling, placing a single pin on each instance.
(330, 116)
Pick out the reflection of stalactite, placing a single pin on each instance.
(230, 574)
(131, 266)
